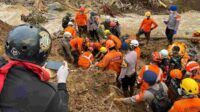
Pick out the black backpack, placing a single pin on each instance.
(161, 102)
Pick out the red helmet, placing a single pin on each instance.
(113, 24)
(82, 8)
(192, 65)
(156, 57)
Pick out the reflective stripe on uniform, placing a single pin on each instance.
(88, 57)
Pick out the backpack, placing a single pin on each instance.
(161, 102)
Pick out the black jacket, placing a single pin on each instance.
(24, 92)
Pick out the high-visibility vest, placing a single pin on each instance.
(85, 60)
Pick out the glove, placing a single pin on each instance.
(63, 73)
(175, 32)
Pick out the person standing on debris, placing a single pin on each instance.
(66, 20)
(70, 28)
(93, 26)
(150, 95)
(66, 45)
(24, 83)
(153, 66)
(172, 23)
(164, 64)
(146, 26)
(137, 49)
(116, 40)
(128, 71)
(189, 101)
(81, 21)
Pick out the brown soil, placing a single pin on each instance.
(4, 29)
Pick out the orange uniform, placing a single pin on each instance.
(186, 105)
(146, 25)
(116, 40)
(138, 51)
(77, 44)
(85, 60)
(112, 60)
(152, 67)
(81, 19)
(97, 45)
(71, 30)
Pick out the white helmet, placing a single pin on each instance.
(67, 35)
(70, 23)
(164, 53)
(116, 20)
(134, 43)
(107, 18)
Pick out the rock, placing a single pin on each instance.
(55, 6)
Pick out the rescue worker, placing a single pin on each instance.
(172, 23)
(125, 44)
(137, 49)
(102, 52)
(66, 20)
(66, 45)
(96, 47)
(193, 71)
(77, 47)
(164, 65)
(128, 71)
(174, 84)
(112, 60)
(175, 60)
(106, 23)
(86, 58)
(148, 95)
(81, 21)
(93, 26)
(114, 29)
(146, 26)
(118, 27)
(189, 101)
(115, 39)
(23, 80)
(153, 66)
(70, 28)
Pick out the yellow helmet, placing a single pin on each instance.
(148, 13)
(190, 86)
(107, 32)
(198, 31)
(103, 49)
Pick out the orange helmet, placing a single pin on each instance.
(192, 65)
(156, 57)
(176, 74)
(110, 44)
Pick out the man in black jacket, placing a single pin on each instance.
(23, 82)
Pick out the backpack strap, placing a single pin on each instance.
(159, 75)
(154, 92)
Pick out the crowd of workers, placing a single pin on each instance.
(170, 82)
